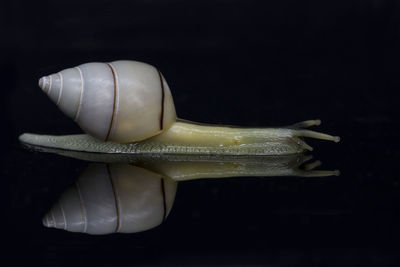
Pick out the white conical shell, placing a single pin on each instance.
(122, 101)
(113, 198)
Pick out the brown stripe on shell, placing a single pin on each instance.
(162, 101)
(82, 205)
(117, 226)
(115, 98)
(63, 214)
(164, 201)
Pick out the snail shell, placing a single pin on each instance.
(122, 101)
(113, 198)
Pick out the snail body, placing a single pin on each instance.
(129, 105)
(189, 139)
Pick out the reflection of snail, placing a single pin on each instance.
(129, 101)
(126, 198)
(113, 198)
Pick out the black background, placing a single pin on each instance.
(252, 63)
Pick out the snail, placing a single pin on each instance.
(127, 107)
(130, 198)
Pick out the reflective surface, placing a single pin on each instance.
(274, 218)
(126, 198)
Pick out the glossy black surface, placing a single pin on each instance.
(231, 62)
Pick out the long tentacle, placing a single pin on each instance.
(299, 131)
(316, 135)
(308, 170)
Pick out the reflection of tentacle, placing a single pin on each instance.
(312, 165)
(308, 170)
(306, 124)
(317, 173)
(305, 158)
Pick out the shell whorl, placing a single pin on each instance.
(122, 101)
(113, 198)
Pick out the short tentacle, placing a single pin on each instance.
(304, 145)
(306, 158)
(306, 124)
(312, 165)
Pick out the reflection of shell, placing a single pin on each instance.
(113, 198)
(122, 101)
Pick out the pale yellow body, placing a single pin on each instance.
(195, 139)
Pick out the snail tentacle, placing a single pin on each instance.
(316, 173)
(312, 165)
(315, 135)
(308, 170)
(306, 124)
(304, 145)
